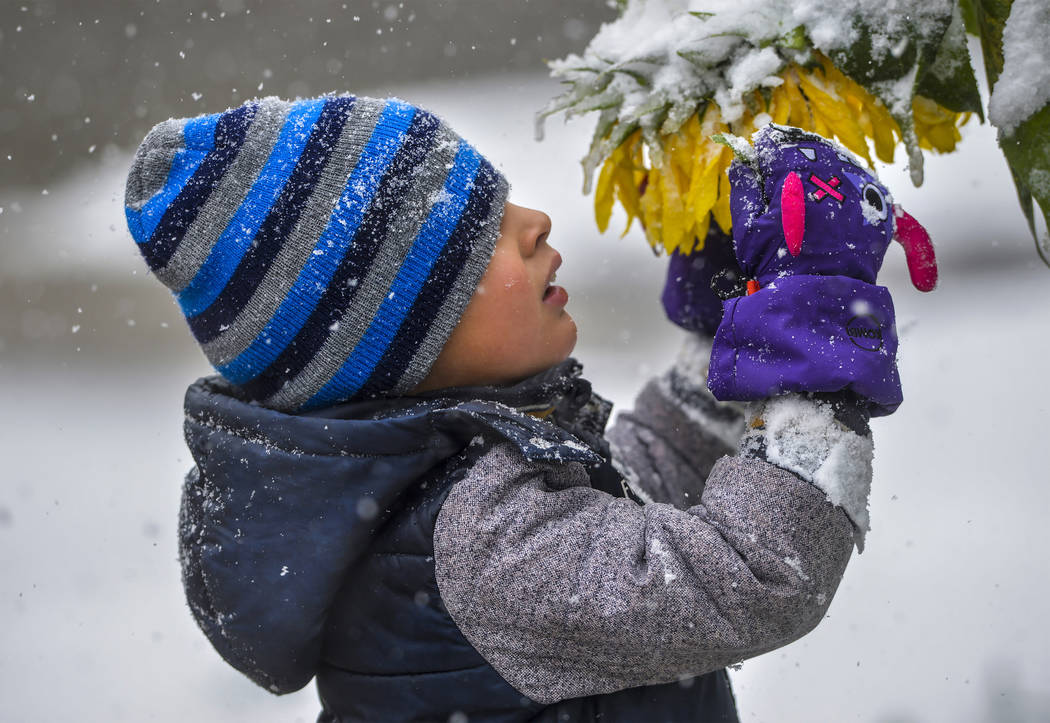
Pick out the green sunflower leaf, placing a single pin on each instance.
(990, 17)
(1027, 152)
(950, 80)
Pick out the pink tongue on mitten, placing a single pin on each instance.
(793, 212)
(918, 250)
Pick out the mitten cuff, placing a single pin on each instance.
(808, 334)
(805, 436)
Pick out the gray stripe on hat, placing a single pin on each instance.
(152, 162)
(300, 244)
(427, 183)
(459, 295)
(227, 195)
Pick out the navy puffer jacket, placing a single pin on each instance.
(307, 548)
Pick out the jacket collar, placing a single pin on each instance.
(559, 395)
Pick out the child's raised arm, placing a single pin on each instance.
(568, 591)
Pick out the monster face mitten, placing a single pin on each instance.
(810, 228)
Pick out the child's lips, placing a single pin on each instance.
(556, 295)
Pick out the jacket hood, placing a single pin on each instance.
(279, 507)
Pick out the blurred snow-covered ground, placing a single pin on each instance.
(941, 619)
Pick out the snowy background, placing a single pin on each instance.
(943, 618)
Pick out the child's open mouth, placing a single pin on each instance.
(555, 295)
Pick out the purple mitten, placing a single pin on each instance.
(688, 298)
(811, 227)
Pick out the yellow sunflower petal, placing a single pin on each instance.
(627, 195)
(927, 111)
(943, 137)
(835, 113)
(603, 195)
(627, 176)
(651, 206)
(883, 127)
(721, 207)
(799, 109)
(703, 190)
(675, 221)
(779, 105)
(935, 125)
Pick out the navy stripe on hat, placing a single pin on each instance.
(229, 135)
(413, 273)
(319, 239)
(331, 247)
(239, 233)
(228, 197)
(278, 224)
(343, 287)
(418, 321)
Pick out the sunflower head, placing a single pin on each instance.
(677, 186)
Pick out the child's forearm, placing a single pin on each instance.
(667, 444)
(568, 591)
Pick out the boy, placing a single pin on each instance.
(403, 486)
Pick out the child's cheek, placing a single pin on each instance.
(511, 283)
(521, 297)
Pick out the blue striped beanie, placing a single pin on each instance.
(321, 250)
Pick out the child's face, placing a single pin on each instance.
(515, 324)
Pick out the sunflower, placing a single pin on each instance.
(677, 185)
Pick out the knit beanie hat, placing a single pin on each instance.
(321, 250)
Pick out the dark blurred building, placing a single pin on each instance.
(77, 75)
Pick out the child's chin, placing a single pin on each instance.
(570, 340)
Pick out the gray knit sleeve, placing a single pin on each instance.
(667, 444)
(568, 591)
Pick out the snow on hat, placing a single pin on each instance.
(321, 250)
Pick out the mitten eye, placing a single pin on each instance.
(873, 199)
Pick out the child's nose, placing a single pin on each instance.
(537, 230)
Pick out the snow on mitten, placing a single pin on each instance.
(810, 228)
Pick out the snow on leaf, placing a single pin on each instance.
(1023, 86)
